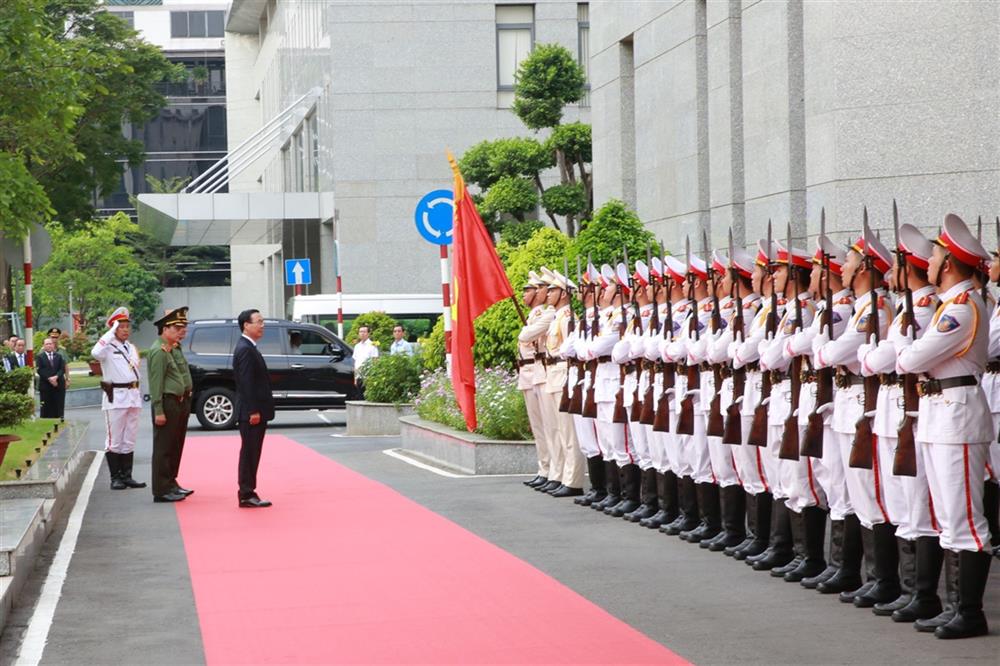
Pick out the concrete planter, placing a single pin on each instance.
(375, 418)
(467, 451)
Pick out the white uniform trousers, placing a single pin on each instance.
(695, 449)
(954, 473)
(829, 473)
(889, 487)
(549, 406)
(537, 429)
(640, 439)
(993, 461)
(122, 425)
(586, 436)
(750, 462)
(799, 476)
(574, 465)
(860, 486)
(721, 455)
(657, 452)
(614, 437)
(920, 520)
(778, 409)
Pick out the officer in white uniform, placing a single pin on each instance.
(122, 401)
(538, 320)
(955, 428)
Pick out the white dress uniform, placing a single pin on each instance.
(712, 349)
(614, 437)
(119, 366)
(955, 427)
(651, 352)
(586, 431)
(678, 462)
(991, 386)
(694, 447)
(537, 325)
(560, 424)
(904, 498)
(743, 457)
(629, 351)
(848, 402)
(747, 353)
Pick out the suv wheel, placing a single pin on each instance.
(216, 409)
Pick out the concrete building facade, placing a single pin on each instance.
(390, 86)
(726, 113)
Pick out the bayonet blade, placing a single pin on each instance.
(687, 252)
(895, 223)
(731, 247)
(788, 248)
(979, 229)
(767, 248)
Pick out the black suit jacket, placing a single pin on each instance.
(12, 360)
(57, 368)
(253, 385)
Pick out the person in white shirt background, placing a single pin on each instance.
(399, 343)
(364, 349)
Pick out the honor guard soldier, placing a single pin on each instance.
(954, 427)
(991, 385)
(527, 356)
(122, 400)
(170, 396)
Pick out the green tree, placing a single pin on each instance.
(100, 265)
(380, 327)
(614, 227)
(547, 80)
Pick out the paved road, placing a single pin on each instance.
(128, 598)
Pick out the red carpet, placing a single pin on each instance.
(345, 570)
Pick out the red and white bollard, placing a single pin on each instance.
(340, 291)
(28, 319)
(446, 305)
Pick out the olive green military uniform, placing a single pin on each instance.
(170, 394)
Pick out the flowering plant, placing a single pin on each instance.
(500, 410)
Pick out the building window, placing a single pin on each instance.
(197, 24)
(128, 17)
(583, 50)
(515, 39)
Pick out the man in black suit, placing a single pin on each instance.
(255, 404)
(18, 357)
(51, 370)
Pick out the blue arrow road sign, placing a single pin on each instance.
(435, 215)
(298, 271)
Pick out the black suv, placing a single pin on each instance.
(310, 367)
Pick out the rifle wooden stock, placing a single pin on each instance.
(863, 450)
(564, 400)
(636, 410)
(590, 404)
(733, 431)
(789, 449)
(620, 415)
(685, 420)
(905, 461)
(661, 422)
(716, 425)
(576, 401)
(648, 414)
(758, 429)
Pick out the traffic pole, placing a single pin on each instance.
(29, 323)
(340, 291)
(446, 305)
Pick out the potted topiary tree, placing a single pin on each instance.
(16, 405)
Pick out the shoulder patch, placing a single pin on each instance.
(947, 323)
(863, 322)
(881, 301)
(962, 298)
(925, 302)
(837, 317)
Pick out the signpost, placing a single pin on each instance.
(297, 273)
(435, 219)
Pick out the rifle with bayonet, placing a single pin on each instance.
(590, 403)
(685, 420)
(758, 427)
(648, 413)
(715, 426)
(733, 431)
(621, 414)
(636, 410)
(905, 461)
(570, 330)
(789, 449)
(863, 447)
(812, 441)
(576, 399)
(661, 422)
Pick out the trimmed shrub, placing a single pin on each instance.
(392, 378)
(379, 324)
(16, 405)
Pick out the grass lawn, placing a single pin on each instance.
(31, 433)
(84, 381)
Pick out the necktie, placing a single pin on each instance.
(50, 358)
(20, 360)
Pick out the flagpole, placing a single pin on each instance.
(520, 312)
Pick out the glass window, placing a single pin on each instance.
(306, 343)
(583, 35)
(212, 339)
(270, 344)
(128, 17)
(178, 24)
(215, 24)
(515, 39)
(196, 24)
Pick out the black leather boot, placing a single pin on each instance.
(734, 527)
(848, 576)
(886, 586)
(907, 573)
(612, 486)
(867, 546)
(126, 471)
(814, 537)
(763, 504)
(970, 621)
(115, 468)
(925, 602)
(749, 508)
(834, 562)
(631, 479)
(950, 595)
(991, 510)
(688, 517)
(779, 550)
(597, 492)
(660, 517)
(798, 525)
(711, 514)
(647, 498)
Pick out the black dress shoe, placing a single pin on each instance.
(840, 582)
(620, 509)
(848, 596)
(644, 512)
(169, 497)
(549, 485)
(566, 491)
(553, 491)
(537, 482)
(532, 482)
(732, 550)
(253, 503)
(132, 483)
(182, 491)
(753, 549)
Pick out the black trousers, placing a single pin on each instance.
(168, 444)
(252, 437)
(53, 400)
